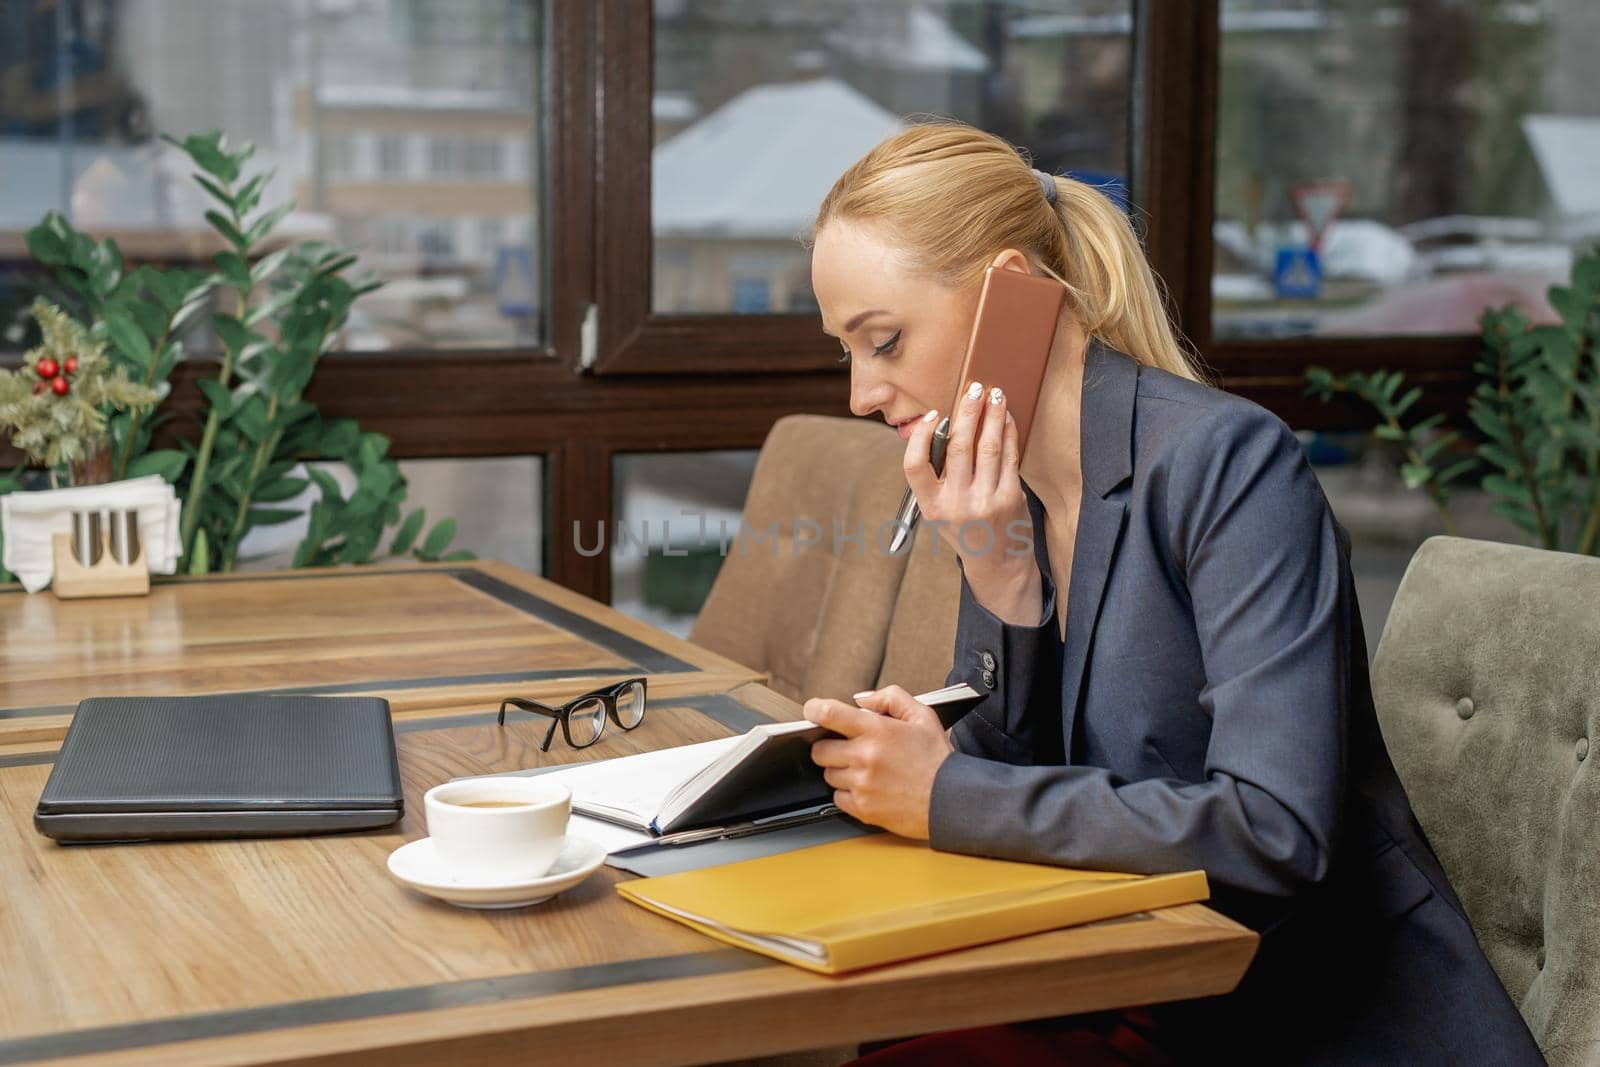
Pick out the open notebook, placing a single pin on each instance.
(761, 774)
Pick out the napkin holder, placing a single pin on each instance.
(106, 576)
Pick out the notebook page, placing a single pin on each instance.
(607, 835)
(633, 787)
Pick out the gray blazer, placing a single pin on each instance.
(1210, 709)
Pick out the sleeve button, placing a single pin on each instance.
(987, 659)
(988, 679)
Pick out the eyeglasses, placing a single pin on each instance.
(583, 719)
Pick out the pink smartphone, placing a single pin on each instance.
(1011, 338)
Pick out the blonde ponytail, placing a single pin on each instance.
(952, 196)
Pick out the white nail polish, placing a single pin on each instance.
(975, 390)
(930, 416)
(995, 395)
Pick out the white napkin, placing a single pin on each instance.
(31, 519)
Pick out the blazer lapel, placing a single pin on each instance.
(1110, 380)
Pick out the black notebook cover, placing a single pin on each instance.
(229, 765)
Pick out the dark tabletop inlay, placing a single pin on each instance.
(335, 688)
(369, 1005)
(724, 709)
(30, 759)
(718, 706)
(637, 656)
(650, 660)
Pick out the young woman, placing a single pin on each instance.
(1177, 677)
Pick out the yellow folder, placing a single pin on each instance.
(880, 899)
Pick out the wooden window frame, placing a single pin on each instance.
(680, 383)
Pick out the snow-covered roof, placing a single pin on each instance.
(1568, 150)
(1235, 19)
(929, 44)
(759, 165)
(413, 99)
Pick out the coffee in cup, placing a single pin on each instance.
(498, 829)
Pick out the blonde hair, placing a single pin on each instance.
(953, 196)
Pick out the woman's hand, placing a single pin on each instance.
(882, 771)
(976, 503)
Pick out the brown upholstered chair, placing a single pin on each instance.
(1487, 685)
(922, 627)
(836, 616)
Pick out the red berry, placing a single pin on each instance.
(46, 367)
(71, 365)
(60, 386)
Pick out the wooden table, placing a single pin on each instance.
(271, 951)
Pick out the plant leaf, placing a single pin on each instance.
(129, 339)
(326, 482)
(217, 396)
(1504, 487)
(272, 516)
(169, 463)
(268, 265)
(228, 230)
(281, 489)
(1454, 471)
(438, 539)
(233, 268)
(46, 245)
(263, 225)
(406, 536)
(200, 558)
(217, 191)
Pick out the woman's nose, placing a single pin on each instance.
(867, 394)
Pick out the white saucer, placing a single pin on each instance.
(417, 864)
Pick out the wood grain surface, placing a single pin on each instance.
(304, 950)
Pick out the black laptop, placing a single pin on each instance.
(235, 765)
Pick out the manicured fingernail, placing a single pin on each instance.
(931, 415)
(863, 693)
(995, 395)
(975, 390)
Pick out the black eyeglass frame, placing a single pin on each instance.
(607, 696)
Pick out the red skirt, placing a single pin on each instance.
(1112, 1039)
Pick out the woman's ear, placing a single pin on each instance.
(1011, 259)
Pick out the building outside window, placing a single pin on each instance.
(334, 96)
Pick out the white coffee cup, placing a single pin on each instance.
(498, 829)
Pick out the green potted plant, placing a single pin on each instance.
(1536, 412)
(282, 306)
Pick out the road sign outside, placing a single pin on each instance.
(1318, 204)
(1298, 275)
(514, 283)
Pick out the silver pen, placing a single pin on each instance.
(905, 520)
(738, 829)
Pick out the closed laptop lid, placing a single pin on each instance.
(227, 753)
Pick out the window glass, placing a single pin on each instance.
(674, 514)
(497, 503)
(388, 122)
(759, 105)
(1390, 168)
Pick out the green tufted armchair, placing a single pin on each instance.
(1487, 685)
